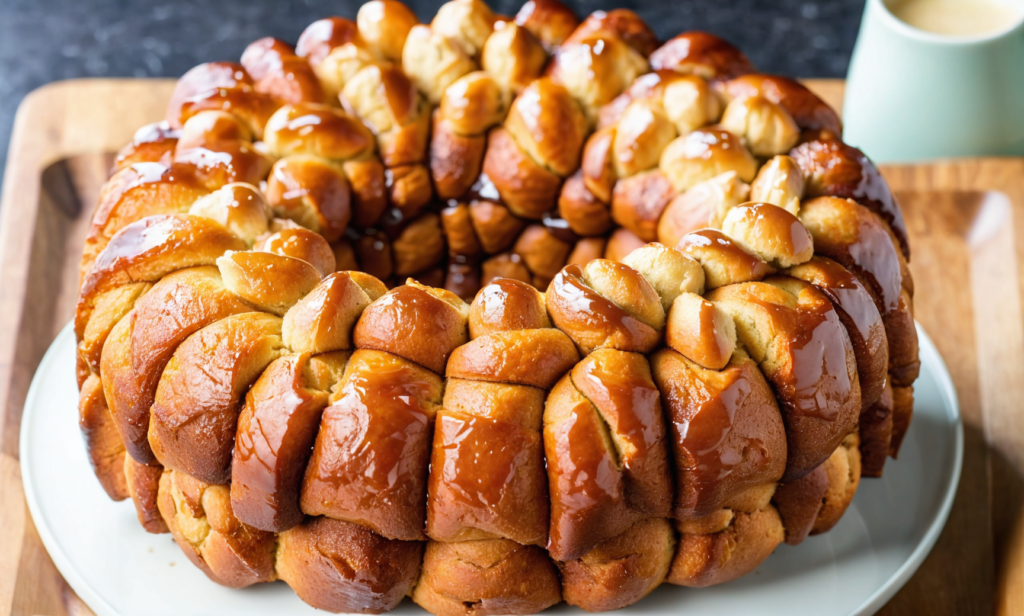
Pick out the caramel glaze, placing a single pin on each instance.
(179, 305)
(703, 54)
(804, 351)
(276, 430)
(506, 305)
(537, 357)
(604, 437)
(413, 323)
(146, 251)
(835, 169)
(370, 459)
(723, 260)
(488, 481)
(301, 244)
(593, 321)
(619, 385)
(726, 431)
(323, 35)
(299, 184)
(194, 416)
(859, 315)
(321, 130)
(855, 238)
(583, 474)
(138, 190)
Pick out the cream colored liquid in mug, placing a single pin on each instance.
(956, 17)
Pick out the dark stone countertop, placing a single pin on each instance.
(47, 40)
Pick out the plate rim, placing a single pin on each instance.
(869, 606)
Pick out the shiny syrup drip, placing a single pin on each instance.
(846, 292)
(379, 438)
(705, 428)
(585, 475)
(507, 305)
(819, 357)
(584, 303)
(628, 401)
(481, 458)
(874, 254)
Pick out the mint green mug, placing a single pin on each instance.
(914, 95)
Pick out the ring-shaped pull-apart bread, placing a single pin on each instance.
(492, 313)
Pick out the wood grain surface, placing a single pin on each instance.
(964, 218)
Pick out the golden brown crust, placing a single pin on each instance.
(375, 476)
(478, 578)
(419, 246)
(200, 519)
(140, 346)
(342, 567)
(224, 86)
(620, 244)
(143, 483)
(102, 441)
(549, 20)
(279, 72)
(195, 411)
(708, 559)
(794, 334)
(276, 429)
(703, 205)
(585, 214)
(639, 201)
(505, 305)
(528, 189)
(384, 25)
(703, 54)
(811, 113)
(628, 321)
(622, 570)
(417, 323)
(312, 192)
(726, 432)
(604, 437)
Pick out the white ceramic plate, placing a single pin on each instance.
(120, 570)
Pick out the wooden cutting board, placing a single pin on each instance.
(964, 218)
